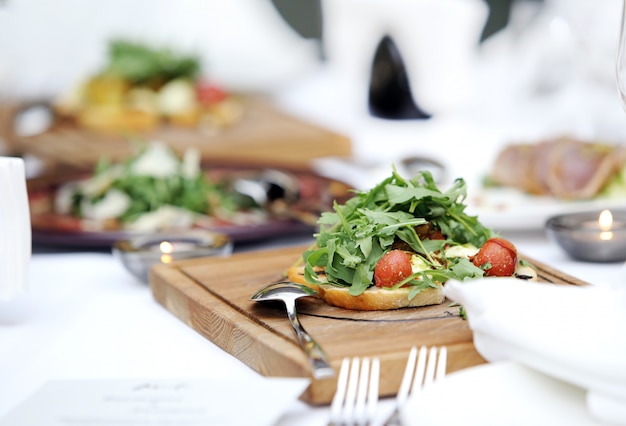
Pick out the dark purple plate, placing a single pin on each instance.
(53, 229)
(238, 234)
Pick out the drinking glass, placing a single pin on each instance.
(621, 59)
(15, 231)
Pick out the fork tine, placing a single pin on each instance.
(405, 385)
(420, 368)
(429, 374)
(441, 363)
(361, 396)
(372, 397)
(353, 381)
(340, 393)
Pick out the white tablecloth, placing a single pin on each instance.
(85, 317)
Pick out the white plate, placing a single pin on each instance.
(511, 210)
(498, 394)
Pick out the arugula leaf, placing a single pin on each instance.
(354, 236)
(141, 63)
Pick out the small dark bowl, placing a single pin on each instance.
(574, 233)
(139, 254)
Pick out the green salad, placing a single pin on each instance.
(143, 64)
(354, 236)
(154, 189)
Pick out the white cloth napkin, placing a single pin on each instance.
(576, 334)
(15, 231)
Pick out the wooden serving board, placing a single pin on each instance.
(212, 296)
(265, 136)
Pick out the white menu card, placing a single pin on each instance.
(158, 402)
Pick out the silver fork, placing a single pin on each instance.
(356, 398)
(422, 368)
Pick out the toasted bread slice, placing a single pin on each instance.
(372, 299)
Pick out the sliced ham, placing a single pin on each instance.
(564, 168)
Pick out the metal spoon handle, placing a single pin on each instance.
(317, 358)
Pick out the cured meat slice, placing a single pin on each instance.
(564, 167)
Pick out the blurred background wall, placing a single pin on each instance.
(535, 55)
(44, 45)
(47, 45)
(306, 16)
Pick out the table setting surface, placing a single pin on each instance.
(84, 319)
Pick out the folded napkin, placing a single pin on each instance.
(576, 334)
(15, 232)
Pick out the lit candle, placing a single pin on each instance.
(168, 247)
(171, 246)
(591, 236)
(605, 222)
(178, 246)
(139, 254)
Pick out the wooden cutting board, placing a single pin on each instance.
(211, 295)
(265, 136)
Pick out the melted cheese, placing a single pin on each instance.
(113, 204)
(418, 264)
(191, 163)
(177, 97)
(162, 218)
(464, 250)
(157, 160)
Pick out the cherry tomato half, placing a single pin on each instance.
(501, 254)
(208, 93)
(393, 267)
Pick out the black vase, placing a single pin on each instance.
(389, 90)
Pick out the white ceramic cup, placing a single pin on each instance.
(15, 228)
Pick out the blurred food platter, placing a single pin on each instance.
(264, 136)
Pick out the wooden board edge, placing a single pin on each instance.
(253, 344)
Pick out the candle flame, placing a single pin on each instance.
(605, 220)
(606, 235)
(166, 247)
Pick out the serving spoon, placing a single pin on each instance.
(288, 292)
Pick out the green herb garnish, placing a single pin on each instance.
(462, 312)
(141, 64)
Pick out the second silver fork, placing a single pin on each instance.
(356, 398)
(422, 369)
